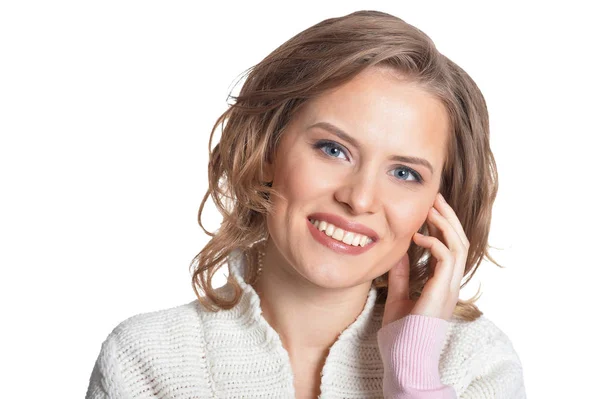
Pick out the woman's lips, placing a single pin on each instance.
(335, 245)
(345, 224)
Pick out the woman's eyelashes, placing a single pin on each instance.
(326, 147)
(324, 143)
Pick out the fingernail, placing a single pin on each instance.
(435, 211)
(441, 197)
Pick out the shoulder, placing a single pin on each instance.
(479, 359)
(165, 325)
(478, 333)
(177, 328)
(156, 325)
(149, 351)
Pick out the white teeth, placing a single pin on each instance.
(364, 240)
(322, 226)
(338, 234)
(329, 230)
(346, 237)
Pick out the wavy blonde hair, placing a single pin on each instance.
(320, 58)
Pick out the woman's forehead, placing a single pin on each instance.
(382, 113)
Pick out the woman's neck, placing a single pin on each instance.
(307, 317)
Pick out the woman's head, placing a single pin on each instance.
(383, 82)
(380, 115)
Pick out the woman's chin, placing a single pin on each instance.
(332, 277)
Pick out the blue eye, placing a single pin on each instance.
(336, 149)
(323, 144)
(417, 178)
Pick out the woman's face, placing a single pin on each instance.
(356, 178)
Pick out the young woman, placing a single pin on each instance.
(356, 183)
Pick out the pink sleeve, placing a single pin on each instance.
(410, 349)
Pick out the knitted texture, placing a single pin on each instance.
(410, 350)
(189, 352)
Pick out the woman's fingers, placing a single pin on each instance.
(449, 248)
(446, 210)
(454, 238)
(398, 278)
(398, 304)
(438, 297)
(445, 261)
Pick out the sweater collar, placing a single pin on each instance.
(366, 324)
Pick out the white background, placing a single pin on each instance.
(105, 112)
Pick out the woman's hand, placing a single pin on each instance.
(449, 247)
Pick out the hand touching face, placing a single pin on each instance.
(449, 248)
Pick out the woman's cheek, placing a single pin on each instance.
(408, 218)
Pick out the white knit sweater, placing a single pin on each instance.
(189, 352)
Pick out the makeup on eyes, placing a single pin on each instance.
(320, 144)
(348, 138)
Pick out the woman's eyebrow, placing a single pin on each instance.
(345, 136)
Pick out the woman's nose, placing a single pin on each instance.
(359, 192)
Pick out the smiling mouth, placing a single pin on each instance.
(343, 236)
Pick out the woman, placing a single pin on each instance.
(356, 182)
